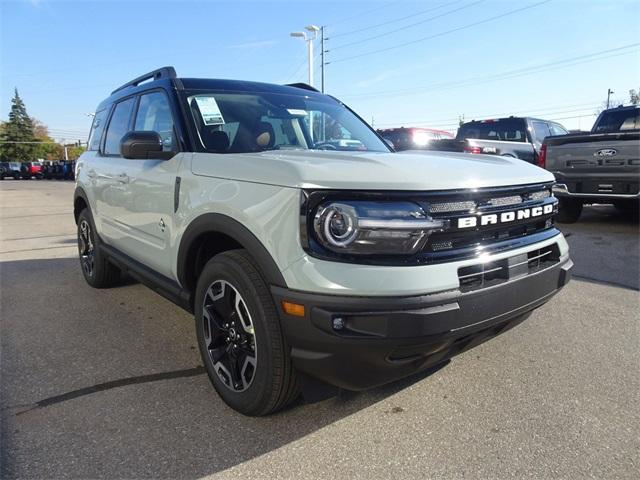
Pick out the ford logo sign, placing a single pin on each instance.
(606, 152)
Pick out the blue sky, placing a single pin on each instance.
(395, 62)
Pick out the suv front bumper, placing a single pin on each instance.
(387, 338)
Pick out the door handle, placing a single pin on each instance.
(123, 178)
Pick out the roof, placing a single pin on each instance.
(166, 77)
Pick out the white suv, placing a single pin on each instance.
(306, 248)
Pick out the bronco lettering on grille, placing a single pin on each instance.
(504, 217)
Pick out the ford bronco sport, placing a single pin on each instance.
(301, 257)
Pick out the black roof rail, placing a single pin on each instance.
(164, 72)
(304, 86)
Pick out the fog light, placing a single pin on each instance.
(338, 323)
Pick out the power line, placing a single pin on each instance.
(423, 39)
(370, 27)
(359, 15)
(567, 62)
(539, 112)
(390, 32)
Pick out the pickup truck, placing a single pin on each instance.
(517, 137)
(598, 167)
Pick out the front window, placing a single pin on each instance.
(258, 121)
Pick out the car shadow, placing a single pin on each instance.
(605, 246)
(109, 384)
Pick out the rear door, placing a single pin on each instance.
(108, 176)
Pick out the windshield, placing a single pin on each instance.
(618, 121)
(509, 129)
(257, 121)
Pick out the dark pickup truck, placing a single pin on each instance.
(598, 167)
(517, 137)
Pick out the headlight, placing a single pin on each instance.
(363, 227)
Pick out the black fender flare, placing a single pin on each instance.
(223, 224)
(79, 193)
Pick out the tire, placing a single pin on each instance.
(96, 268)
(569, 210)
(627, 207)
(233, 306)
(16, 176)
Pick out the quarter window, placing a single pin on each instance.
(96, 129)
(154, 114)
(118, 126)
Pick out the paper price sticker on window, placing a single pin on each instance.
(209, 110)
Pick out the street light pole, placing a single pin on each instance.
(609, 92)
(312, 29)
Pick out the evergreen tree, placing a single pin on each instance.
(19, 128)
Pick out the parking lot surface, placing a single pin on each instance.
(108, 383)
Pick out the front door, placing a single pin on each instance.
(138, 209)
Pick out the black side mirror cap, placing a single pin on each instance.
(139, 145)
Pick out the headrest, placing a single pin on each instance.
(264, 135)
(216, 140)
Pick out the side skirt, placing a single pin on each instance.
(152, 279)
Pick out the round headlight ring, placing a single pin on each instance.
(339, 226)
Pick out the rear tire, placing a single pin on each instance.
(96, 268)
(569, 210)
(240, 339)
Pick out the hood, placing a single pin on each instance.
(370, 170)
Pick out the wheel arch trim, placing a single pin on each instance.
(223, 224)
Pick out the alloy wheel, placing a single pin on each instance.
(86, 247)
(229, 336)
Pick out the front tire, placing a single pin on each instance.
(96, 268)
(240, 339)
(569, 210)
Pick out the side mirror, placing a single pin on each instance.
(139, 145)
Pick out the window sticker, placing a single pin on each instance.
(209, 110)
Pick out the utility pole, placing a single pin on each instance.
(609, 92)
(322, 52)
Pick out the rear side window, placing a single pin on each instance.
(619, 121)
(508, 129)
(541, 130)
(154, 114)
(118, 126)
(97, 128)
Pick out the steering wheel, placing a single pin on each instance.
(325, 146)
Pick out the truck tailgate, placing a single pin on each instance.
(596, 163)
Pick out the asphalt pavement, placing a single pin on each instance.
(109, 384)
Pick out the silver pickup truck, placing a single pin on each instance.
(598, 167)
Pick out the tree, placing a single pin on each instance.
(48, 149)
(19, 129)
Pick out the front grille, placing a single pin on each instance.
(488, 274)
(460, 240)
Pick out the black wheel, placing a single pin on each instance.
(239, 335)
(97, 270)
(569, 210)
(627, 207)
